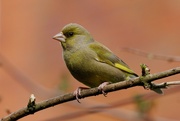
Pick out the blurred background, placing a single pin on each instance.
(31, 61)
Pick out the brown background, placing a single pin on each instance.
(27, 28)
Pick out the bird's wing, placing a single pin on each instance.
(104, 55)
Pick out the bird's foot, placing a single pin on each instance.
(77, 93)
(101, 87)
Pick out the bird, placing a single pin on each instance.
(89, 61)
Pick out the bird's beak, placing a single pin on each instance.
(60, 37)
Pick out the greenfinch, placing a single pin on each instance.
(89, 61)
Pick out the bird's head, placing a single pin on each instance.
(73, 36)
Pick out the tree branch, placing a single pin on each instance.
(90, 92)
(110, 108)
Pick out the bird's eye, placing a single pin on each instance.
(69, 34)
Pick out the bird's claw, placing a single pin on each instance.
(101, 87)
(77, 93)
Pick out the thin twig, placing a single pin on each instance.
(152, 55)
(166, 84)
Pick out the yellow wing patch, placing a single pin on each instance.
(124, 68)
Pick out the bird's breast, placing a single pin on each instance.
(86, 69)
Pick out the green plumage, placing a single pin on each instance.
(89, 61)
